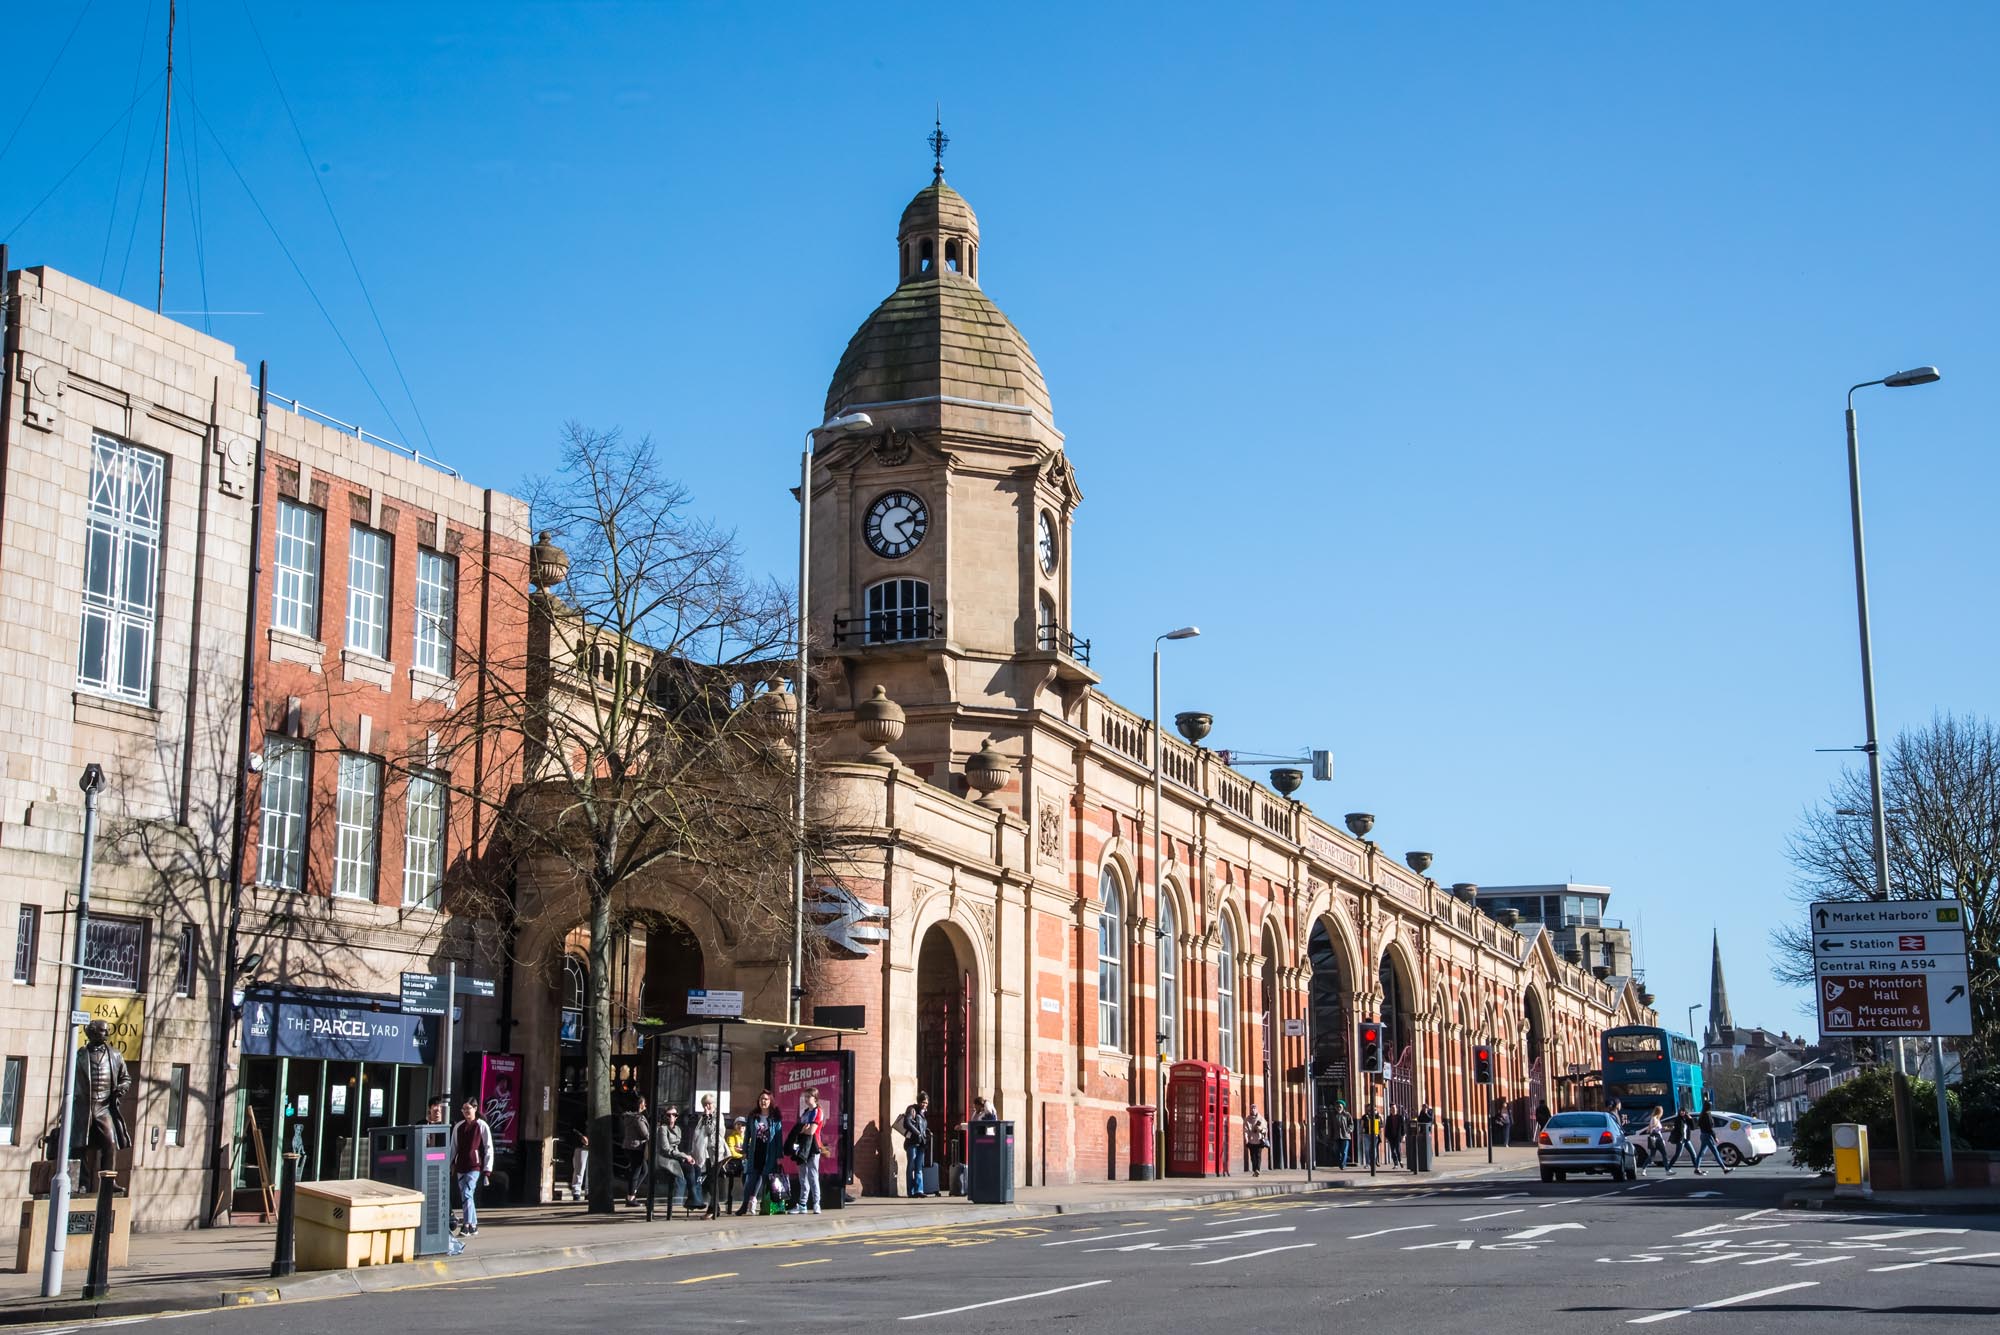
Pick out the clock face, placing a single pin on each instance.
(896, 524)
(1045, 542)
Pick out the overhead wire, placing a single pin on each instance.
(50, 73)
(94, 145)
(339, 231)
(139, 204)
(291, 259)
(124, 153)
(191, 169)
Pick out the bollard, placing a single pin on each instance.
(285, 1261)
(98, 1282)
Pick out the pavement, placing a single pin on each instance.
(1470, 1247)
(1955, 1200)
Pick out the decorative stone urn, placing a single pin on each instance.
(1359, 823)
(1466, 891)
(1287, 781)
(777, 713)
(987, 772)
(1601, 970)
(1193, 724)
(548, 564)
(1646, 998)
(1418, 862)
(879, 720)
(1510, 916)
(1573, 955)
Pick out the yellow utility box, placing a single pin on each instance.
(1850, 1160)
(342, 1225)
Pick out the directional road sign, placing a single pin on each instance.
(1891, 967)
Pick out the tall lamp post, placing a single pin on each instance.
(795, 989)
(1877, 818)
(1691, 1010)
(1160, 946)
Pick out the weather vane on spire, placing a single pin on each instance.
(939, 141)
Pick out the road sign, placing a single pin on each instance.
(423, 994)
(474, 987)
(1887, 915)
(715, 1004)
(854, 926)
(1295, 1028)
(1891, 967)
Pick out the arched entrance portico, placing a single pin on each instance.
(1333, 1022)
(1535, 1028)
(1399, 1034)
(947, 1035)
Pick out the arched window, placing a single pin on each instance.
(951, 256)
(1225, 996)
(1170, 980)
(899, 609)
(1110, 963)
(926, 256)
(1045, 622)
(576, 977)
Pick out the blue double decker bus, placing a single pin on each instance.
(1648, 1067)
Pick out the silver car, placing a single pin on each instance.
(1585, 1142)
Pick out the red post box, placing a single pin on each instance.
(1191, 1116)
(1142, 1130)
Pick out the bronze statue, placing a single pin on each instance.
(99, 1115)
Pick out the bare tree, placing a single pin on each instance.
(1941, 797)
(629, 741)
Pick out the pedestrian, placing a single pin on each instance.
(1681, 1132)
(762, 1140)
(670, 1156)
(804, 1146)
(471, 1162)
(914, 1126)
(1542, 1115)
(1255, 1129)
(982, 1111)
(1343, 1132)
(579, 1167)
(1705, 1124)
(438, 1110)
(1654, 1135)
(636, 1137)
(1394, 1128)
(1499, 1121)
(733, 1164)
(1371, 1134)
(698, 1139)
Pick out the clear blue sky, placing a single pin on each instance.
(1471, 374)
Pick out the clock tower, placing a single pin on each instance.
(941, 553)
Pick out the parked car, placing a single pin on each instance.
(1743, 1139)
(1585, 1142)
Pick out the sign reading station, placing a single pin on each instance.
(1891, 967)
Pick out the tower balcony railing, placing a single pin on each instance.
(1061, 640)
(909, 627)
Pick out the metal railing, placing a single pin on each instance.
(298, 409)
(1056, 639)
(913, 626)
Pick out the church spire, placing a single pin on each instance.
(1719, 1022)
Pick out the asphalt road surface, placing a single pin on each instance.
(1491, 1256)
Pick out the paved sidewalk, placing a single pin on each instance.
(228, 1267)
(1956, 1200)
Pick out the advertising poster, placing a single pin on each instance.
(500, 1096)
(829, 1073)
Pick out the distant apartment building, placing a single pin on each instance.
(128, 503)
(1574, 916)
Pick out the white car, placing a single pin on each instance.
(1743, 1138)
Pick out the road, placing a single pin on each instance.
(1495, 1255)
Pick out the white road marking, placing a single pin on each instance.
(1509, 1196)
(1203, 1244)
(1900, 1233)
(1069, 1242)
(1407, 1228)
(1538, 1230)
(1495, 1215)
(1462, 1245)
(1935, 1260)
(1702, 1195)
(1722, 1302)
(1777, 1256)
(1135, 1247)
(1247, 1256)
(1001, 1302)
(1824, 1260)
(1232, 1219)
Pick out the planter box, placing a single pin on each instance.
(1969, 1168)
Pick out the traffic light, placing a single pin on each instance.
(1371, 1047)
(1482, 1065)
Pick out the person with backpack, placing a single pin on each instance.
(732, 1162)
(763, 1140)
(471, 1151)
(1705, 1126)
(804, 1146)
(1343, 1133)
(1255, 1131)
(914, 1126)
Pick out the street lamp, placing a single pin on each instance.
(1691, 1010)
(795, 991)
(1877, 818)
(1160, 946)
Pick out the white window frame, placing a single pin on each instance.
(370, 555)
(284, 792)
(13, 1097)
(27, 943)
(357, 826)
(121, 579)
(185, 962)
(1110, 962)
(424, 809)
(131, 937)
(177, 1103)
(899, 609)
(1225, 995)
(437, 611)
(295, 585)
(1170, 979)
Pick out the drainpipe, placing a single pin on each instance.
(225, 1003)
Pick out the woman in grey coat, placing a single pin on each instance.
(698, 1140)
(669, 1159)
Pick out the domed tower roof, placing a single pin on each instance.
(937, 334)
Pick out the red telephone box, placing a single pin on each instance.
(1196, 1106)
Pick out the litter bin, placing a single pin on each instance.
(1142, 1118)
(342, 1225)
(1419, 1147)
(990, 1166)
(418, 1157)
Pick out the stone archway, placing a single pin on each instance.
(947, 1035)
(1535, 1051)
(1399, 1032)
(1331, 1024)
